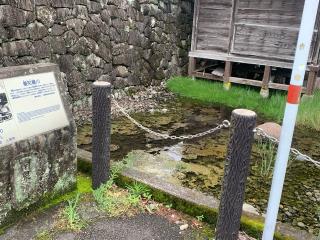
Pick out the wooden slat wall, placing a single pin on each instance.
(283, 5)
(214, 25)
(272, 17)
(267, 28)
(266, 41)
(261, 28)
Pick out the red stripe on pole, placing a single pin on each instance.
(294, 92)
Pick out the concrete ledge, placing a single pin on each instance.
(196, 203)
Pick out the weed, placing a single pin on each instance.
(140, 190)
(152, 207)
(116, 202)
(267, 152)
(169, 206)
(44, 235)
(200, 218)
(71, 214)
(133, 200)
(180, 167)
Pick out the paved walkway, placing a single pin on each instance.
(140, 227)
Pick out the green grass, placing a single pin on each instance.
(247, 97)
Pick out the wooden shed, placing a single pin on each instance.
(256, 32)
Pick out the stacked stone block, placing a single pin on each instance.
(125, 42)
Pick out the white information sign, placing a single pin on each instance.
(29, 105)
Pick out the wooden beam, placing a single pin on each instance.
(264, 92)
(227, 75)
(192, 65)
(312, 79)
(266, 77)
(206, 76)
(236, 58)
(257, 83)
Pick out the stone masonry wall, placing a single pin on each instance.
(126, 42)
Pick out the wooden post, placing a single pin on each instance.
(235, 174)
(101, 128)
(264, 92)
(227, 75)
(312, 79)
(192, 65)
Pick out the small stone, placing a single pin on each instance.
(301, 224)
(289, 214)
(184, 227)
(114, 147)
(122, 71)
(272, 129)
(37, 30)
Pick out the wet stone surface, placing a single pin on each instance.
(199, 163)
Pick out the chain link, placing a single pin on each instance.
(224, 124)
(299, 156)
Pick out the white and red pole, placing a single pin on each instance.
(299, 67)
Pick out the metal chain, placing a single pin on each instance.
(224, 124)
(299, 156)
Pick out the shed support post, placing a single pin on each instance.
(312, 79)
(101, 129)
(235, 174)
(264, 92)
(227, 75)
(192, 65)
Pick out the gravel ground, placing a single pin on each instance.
(132, 99)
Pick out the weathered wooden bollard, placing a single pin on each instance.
(236, 171)
(101, 127)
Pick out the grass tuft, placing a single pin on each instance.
(71, 214)
(247, 97)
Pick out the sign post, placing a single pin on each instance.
(294, 91)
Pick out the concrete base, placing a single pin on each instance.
(227, 86)
(306, 97)
(264, 93)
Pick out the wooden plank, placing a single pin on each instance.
(212, 32)
(257, 83)
(272, 17)
(213, 25)
(206, 76)
(266, 41)
(235, 58)
(244, 81)
(194, 25)
(273, 4)
(217, 4)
